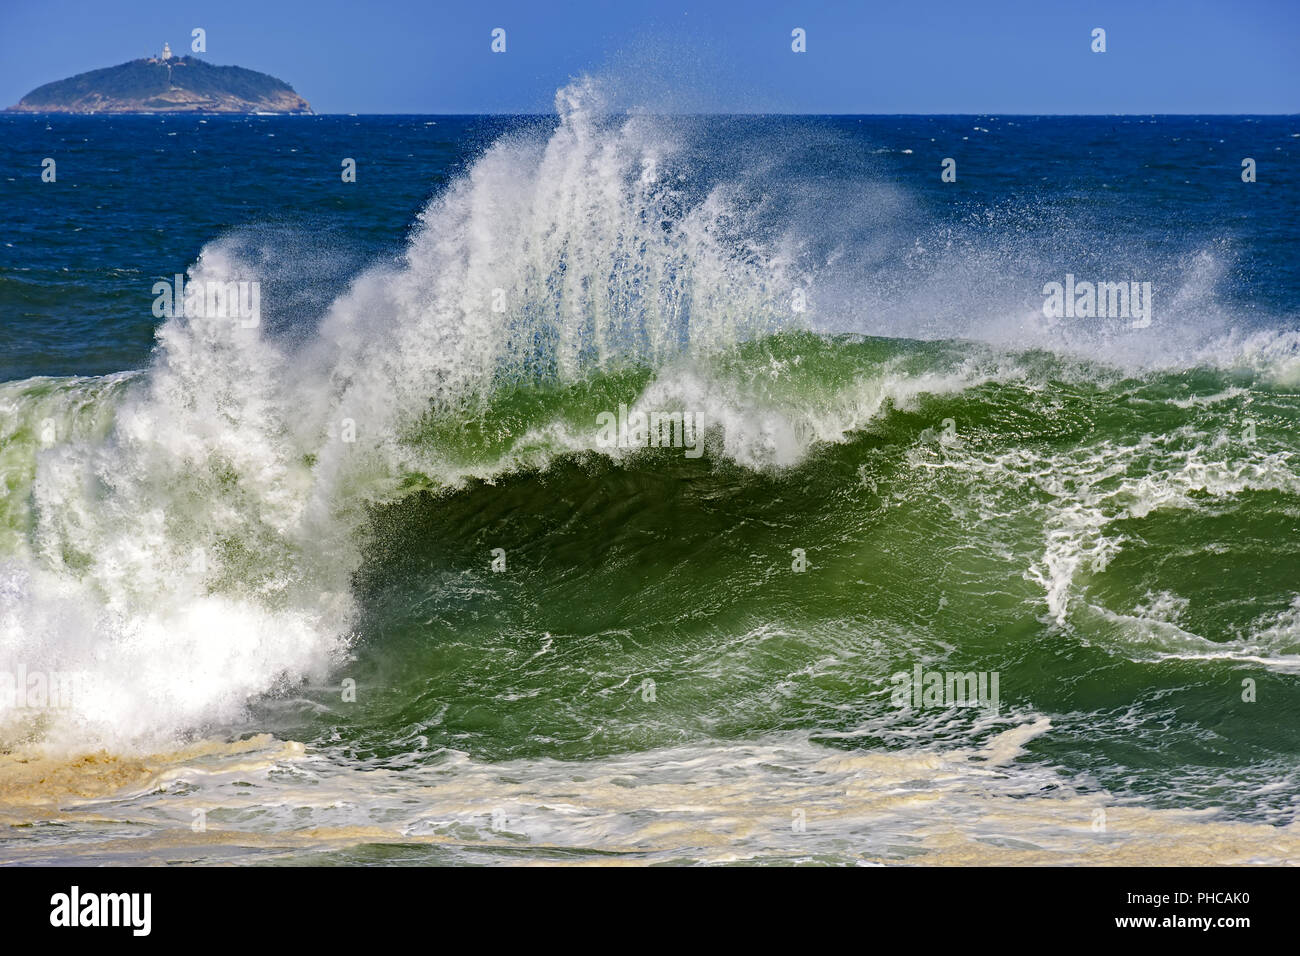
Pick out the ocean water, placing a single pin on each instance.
(365, 581)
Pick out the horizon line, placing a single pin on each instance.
(987, 113)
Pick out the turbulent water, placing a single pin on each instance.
(366, 582)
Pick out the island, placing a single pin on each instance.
(165, 84)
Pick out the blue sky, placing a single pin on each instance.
(922, 56)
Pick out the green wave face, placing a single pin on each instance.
(1118, 549)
